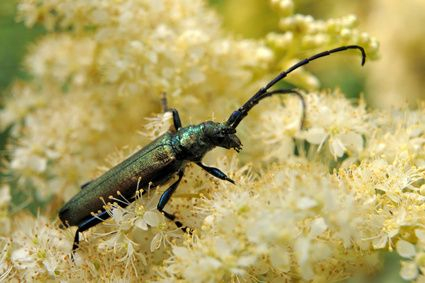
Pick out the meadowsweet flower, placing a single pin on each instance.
(310, 36)
(332, 125)
(284, 7)
(279, 221)
(280, 126)
(39, 251)
(398, 133)
(5, 266)
(157, 125)
(394, 191)
(337, 123)
(118, 72)
(405, 249)
(288, 218)
(49, 59)
(408, 271)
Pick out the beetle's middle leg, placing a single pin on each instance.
(165, 197)
(176, 117)
(215, 172)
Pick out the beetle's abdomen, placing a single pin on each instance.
(154, 163)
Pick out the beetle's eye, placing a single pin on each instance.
(219, 138)
(221, 134)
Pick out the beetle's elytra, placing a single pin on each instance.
(167, 156)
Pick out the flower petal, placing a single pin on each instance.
(405, 249)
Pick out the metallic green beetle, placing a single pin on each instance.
(167, 156)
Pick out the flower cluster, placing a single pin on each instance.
(395, 191)
(100, 78)
(333, 127)
(322, 198)
(302, 35)
(285, 225)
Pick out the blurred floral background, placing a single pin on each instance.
(342, 199)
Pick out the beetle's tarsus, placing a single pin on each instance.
(176, 117)
(180, 225)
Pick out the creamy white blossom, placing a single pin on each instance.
(318, 199)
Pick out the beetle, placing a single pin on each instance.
(167, 156)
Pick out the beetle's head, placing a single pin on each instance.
(222, 135)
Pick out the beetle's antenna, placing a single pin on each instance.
(237, 116)
(255, 99)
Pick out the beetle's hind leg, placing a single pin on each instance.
(165, 197)
(85, 225)
(76, 241)
(176, 117)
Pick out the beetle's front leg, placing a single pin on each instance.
(215, 172)
(176, 117)
(165, 197)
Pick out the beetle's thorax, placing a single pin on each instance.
(193, 142)
(190, 142)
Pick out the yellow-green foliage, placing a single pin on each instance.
(354, 189)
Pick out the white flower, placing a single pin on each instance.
(280, 259)
(22, 259)
(316, 136)
(409, 270)
(318, 226)
(25, 159)
(331, 118)
(405, 249)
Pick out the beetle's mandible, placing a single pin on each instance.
(167, 156)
